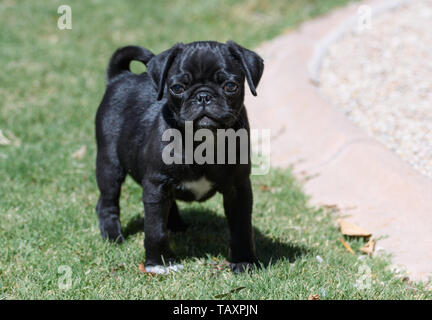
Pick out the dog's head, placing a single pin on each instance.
(203, 82)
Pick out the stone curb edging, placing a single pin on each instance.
(342, 164)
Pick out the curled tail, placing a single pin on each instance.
(121, 59)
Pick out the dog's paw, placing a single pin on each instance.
(118, 239)
(114, 237)
(110, 229)
(240, 267)
(160, 269)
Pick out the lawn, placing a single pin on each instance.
(50, 86)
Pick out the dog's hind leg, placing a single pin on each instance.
(175, 221)
(110, 177)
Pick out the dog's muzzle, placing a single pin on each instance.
(203, 98)
(204, 118)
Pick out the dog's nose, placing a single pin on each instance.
(203, 98)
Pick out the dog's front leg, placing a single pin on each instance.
(157, 204)
(238, 211)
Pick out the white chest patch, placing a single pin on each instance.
(198, 187)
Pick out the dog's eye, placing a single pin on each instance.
(177, 89)
(230, 87)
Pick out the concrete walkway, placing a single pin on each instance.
(380, 192)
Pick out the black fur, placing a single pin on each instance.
(121, 59)
(137, 108)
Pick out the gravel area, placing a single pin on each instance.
(382, 79)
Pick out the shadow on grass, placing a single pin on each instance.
(207, 234)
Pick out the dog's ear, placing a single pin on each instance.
(252, 63)
(159, 66)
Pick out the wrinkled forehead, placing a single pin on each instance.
(205, 60)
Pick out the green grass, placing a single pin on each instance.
(50, 86)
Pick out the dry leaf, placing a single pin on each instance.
(142, 268)
(264, 187)
(346, 245)
(331, 207)
(314, 297)
(80, 153)
(222, 265)
(352, 230)
(369, 247)
(118, 267)
(218, 296)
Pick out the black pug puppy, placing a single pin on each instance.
(202, 82)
